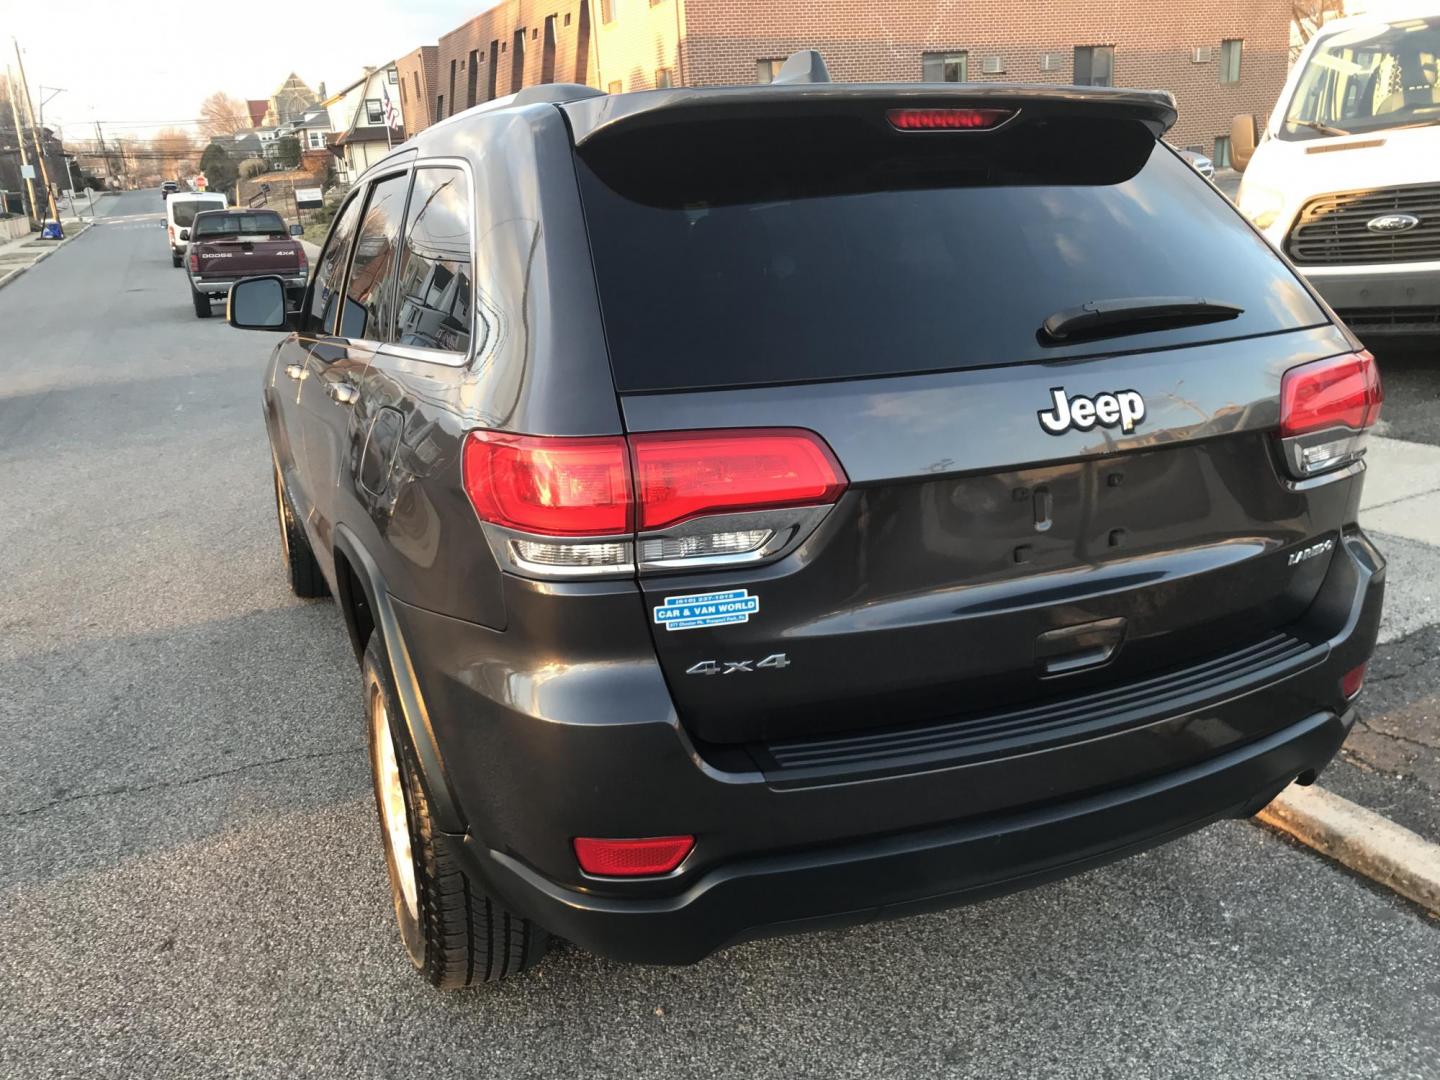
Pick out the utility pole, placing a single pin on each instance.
(39, 145)
(20, 138)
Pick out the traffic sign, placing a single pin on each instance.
(27, 172)
(309, 198)
(198, 182)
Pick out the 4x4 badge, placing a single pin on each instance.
(1123, 409)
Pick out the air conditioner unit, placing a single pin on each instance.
(1202, 55)
(1053, 61)
(993, 65)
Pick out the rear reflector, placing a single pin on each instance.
(632, 858)
(1343, 391)
(948, 119)
(549, 486)
(1353, 681)
(685, 475)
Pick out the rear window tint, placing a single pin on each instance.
(184, 210)
(759, 257)
(267, 223)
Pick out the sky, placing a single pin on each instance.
(140, 66)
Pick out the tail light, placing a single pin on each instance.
(1326, 407)
(948, 119)
(170, 232)
(566, 507)
(644, 857)
(194, 262)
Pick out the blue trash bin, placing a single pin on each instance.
(51, 230)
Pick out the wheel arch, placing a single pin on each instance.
(365, 605)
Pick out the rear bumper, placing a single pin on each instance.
(214, 286)
(535, 750)
(1383, 298)
(919, 871)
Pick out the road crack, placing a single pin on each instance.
(137, 789)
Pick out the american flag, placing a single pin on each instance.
(391, 119)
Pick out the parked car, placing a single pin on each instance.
(227, 245)
(168, 188)
(1344, 178)
(1200, 163)
(725, 555)
(180, 211)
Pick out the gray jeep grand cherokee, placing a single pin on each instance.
(764, 508)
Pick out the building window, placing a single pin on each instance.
(374, 111)
(664, 77)
(404, 100)
(439, 107)
(472, 77)
(1230, 60)
(547, 55)
(607, 10)
(567, 18)
(1221, 157)
(944, 67)
(394, 74)
(453, 98)
(495, 47)
(1094, 65)
(517, 61)
(616, 87)
(768, 69)
(317, 139)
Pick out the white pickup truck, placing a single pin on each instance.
(1345, 177)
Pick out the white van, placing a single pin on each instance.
(180, 211)
(1345, 179)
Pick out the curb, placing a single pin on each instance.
(42, 256)
(1369, 844)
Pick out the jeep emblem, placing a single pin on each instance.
(1392, 223)
(1123, 409)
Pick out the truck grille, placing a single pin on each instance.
(1333, 229)
(1050, 723)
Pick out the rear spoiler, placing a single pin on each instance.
(596, 117)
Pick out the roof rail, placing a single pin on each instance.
(555, 93)
(805, 66)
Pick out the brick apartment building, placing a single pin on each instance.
(1219, 57)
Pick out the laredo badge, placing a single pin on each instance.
(699, 610)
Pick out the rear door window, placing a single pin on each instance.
(790, 253)
(184, 210)
(267, 223)
(437, 289)
(330, 270)
(370, 290)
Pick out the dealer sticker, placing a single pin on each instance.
(706, 609)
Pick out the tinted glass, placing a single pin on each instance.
(1367, 78)
(184, 210)
(769, 256)
(436, 280)
(330, 270)
(264, 223)
(370, 290)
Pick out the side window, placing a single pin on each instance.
(369, 290)
(437, 289)
(330, 270)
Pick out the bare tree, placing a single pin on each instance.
(1307, 16)
(221, 114)
(174, 151)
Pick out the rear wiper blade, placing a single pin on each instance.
(1136, 314)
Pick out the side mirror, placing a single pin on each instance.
(1243, 137)
(184, 234)
(257, 303)
(297, 230)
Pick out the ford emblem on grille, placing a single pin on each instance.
(1392, 223)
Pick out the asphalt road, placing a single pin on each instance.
(190, 874)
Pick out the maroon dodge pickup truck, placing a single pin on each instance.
(227, 245)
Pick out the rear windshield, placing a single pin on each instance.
(266, 223)
(729, 258)
(184, 210)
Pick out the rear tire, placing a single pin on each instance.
(306, 580)
(454, 932)
(175, 259)
(202, 303)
